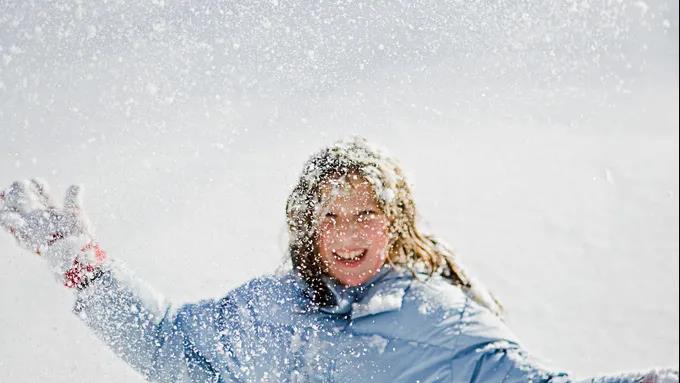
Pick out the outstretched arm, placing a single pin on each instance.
(515, 366)
(490, 353)
(506, 361)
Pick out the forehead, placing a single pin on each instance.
(350, 189)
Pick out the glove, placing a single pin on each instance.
(661, 376)
(59, 235)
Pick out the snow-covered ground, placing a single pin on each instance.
(541, 142)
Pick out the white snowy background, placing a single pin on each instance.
(541, 140)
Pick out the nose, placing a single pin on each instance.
(350, 230)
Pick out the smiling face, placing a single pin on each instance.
(352, 235)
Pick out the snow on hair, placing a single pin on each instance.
(408, 248)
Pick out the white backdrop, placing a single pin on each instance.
(541, 142)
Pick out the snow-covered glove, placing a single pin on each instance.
(60, 235)
(661, 376)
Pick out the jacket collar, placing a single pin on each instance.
(382, 293)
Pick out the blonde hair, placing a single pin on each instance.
(408, 247)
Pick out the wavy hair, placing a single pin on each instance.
(408, 247)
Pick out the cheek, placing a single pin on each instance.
(325, 240)
(377, 233)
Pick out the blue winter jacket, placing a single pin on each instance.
(396, 328)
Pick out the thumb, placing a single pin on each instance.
(73, 208)
(72, 201)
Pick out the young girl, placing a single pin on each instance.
(370, 298)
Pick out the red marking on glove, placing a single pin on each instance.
(74, 276)
(77, 275)
(99, 254)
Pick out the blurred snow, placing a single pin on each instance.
(541, 141)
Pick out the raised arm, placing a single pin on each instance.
(134, 321)
(144, 330)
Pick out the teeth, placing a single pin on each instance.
(350, 254)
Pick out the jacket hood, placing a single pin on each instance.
(382, 293)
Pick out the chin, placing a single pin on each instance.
(351, 282)
(355, 280)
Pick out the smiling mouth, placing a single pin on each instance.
(349, 257)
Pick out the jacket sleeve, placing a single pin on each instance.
(489, 352)
(141, 328)
(509, 363)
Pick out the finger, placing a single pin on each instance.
(73, 205)
(72, 200)
(12, 222)
(16, 198)
(41, 190)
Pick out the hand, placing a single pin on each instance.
(60, 235)
(661, 376)
(27, 212)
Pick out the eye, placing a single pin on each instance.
(331, 216)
